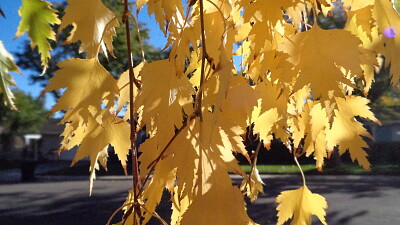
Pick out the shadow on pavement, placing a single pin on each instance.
(353, 200)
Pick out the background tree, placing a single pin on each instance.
(28, 119)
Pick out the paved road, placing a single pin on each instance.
(353, 200)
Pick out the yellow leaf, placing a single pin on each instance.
(319, 125)
(166, 12)
(357, 4)
(252, 185)
(388, 21)
(265, 11)
(163, 101)
(100, 130)
(209, 182)
(314, 55)
(36, 17)
(300, 204)
(164, 173)
(359, 24)
(124, 84)
(87, 83)
(240, 101)
(93, 25)
(7, 65)
(270, 115)
(347, 132)
(140, 4)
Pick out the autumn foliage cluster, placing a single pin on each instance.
(233, 64)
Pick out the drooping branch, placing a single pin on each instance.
(132, 121)
(199, 97)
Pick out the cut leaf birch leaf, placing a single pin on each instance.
(357, 4)
(253, 185)
(347, 132)
(388, 21)
(313, 54)
(36, 17)
(123, 85)
(300, 204)
(208, 180)
(6, 80)
(163, 101)
(270, 115)
(319, 126)
(87, 83)
(94, 25)
(97, 136)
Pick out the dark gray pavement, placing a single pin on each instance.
(51, 200)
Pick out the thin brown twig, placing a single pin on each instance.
(139, 36)
(199, 98)
(116, 211)
(135, 170)
(142, 206)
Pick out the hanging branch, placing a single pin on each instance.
(199, 97)
(132, 122)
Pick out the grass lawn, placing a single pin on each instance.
(279, 169)
(343, 169)
(354, 168)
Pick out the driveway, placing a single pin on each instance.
(353, 200)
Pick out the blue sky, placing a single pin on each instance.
(9, 26)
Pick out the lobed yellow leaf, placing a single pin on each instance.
(388, 21)
(163, 101)
(347, 132)
(300, 204)
(94, 25)
(252, 185)
(313, 53)
(124, 84)
(270, 115)
(7, 65)
(319, 125)
(357, 4)
(94, 136)
(87, 83)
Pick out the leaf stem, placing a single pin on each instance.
(199, 99)
(301, 171)
(135, 169)
(139, 36)
(254, 163)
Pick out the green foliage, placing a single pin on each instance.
(37, 15)
(30, 117)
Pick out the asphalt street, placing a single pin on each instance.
(353, 200)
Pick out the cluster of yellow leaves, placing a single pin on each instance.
(296, 86)
(90, 119)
